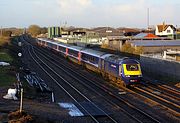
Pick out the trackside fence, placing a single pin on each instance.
(160, 68)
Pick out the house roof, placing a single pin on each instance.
(107, 31)
(145, 35)
(163, 27)
(150, 35)
(126, 30)
(156, 43)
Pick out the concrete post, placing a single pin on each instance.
(164, 56)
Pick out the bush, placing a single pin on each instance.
(4, 40)
(139, 50)
(7, 33)
(127, 48)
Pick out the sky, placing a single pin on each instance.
(88, 13)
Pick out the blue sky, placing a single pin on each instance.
(88, 13)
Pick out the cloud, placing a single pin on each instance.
(73, 6)
(119, 14)
(90, 13)
(115, 13)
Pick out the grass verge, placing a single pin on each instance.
(7, 73)
(7, 76)
(4, 56)
(4, 40)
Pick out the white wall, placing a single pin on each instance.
(163, 33)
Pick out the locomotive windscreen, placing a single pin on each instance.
(132, 67)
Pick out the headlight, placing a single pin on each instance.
(127, 75)
(140, 76)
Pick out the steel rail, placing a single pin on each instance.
(75, 89)
(63, 88)
(110, 93)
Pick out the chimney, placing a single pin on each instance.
(163, 25)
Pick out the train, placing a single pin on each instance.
(123, 70)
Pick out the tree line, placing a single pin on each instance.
(33, 30)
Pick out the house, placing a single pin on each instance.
(165, 30)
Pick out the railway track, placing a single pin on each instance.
(168, 93)
(170, 89)
(137, 114)
(155, 96)
(55, 77)
(109, 91)
(165, 93)
(161, 85)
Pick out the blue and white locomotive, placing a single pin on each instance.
(125, 70)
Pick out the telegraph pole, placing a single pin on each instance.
(176, 32)
(148, 18)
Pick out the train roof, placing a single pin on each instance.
(106, 55)
(77, 48)
(62, 45)
(130, 61)
(48, 40)
(45, 39)
(93, 52)
(53, 42)
(115, 58)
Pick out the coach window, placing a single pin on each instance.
(72, 52)
(84, 57)
(76, 53)
(93, 59)
(88, 58)
(54, 46)
(62, 49)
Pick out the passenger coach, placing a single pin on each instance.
(119, 69)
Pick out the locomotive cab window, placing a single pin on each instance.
(132, 67)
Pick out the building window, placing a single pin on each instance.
(168, 31)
